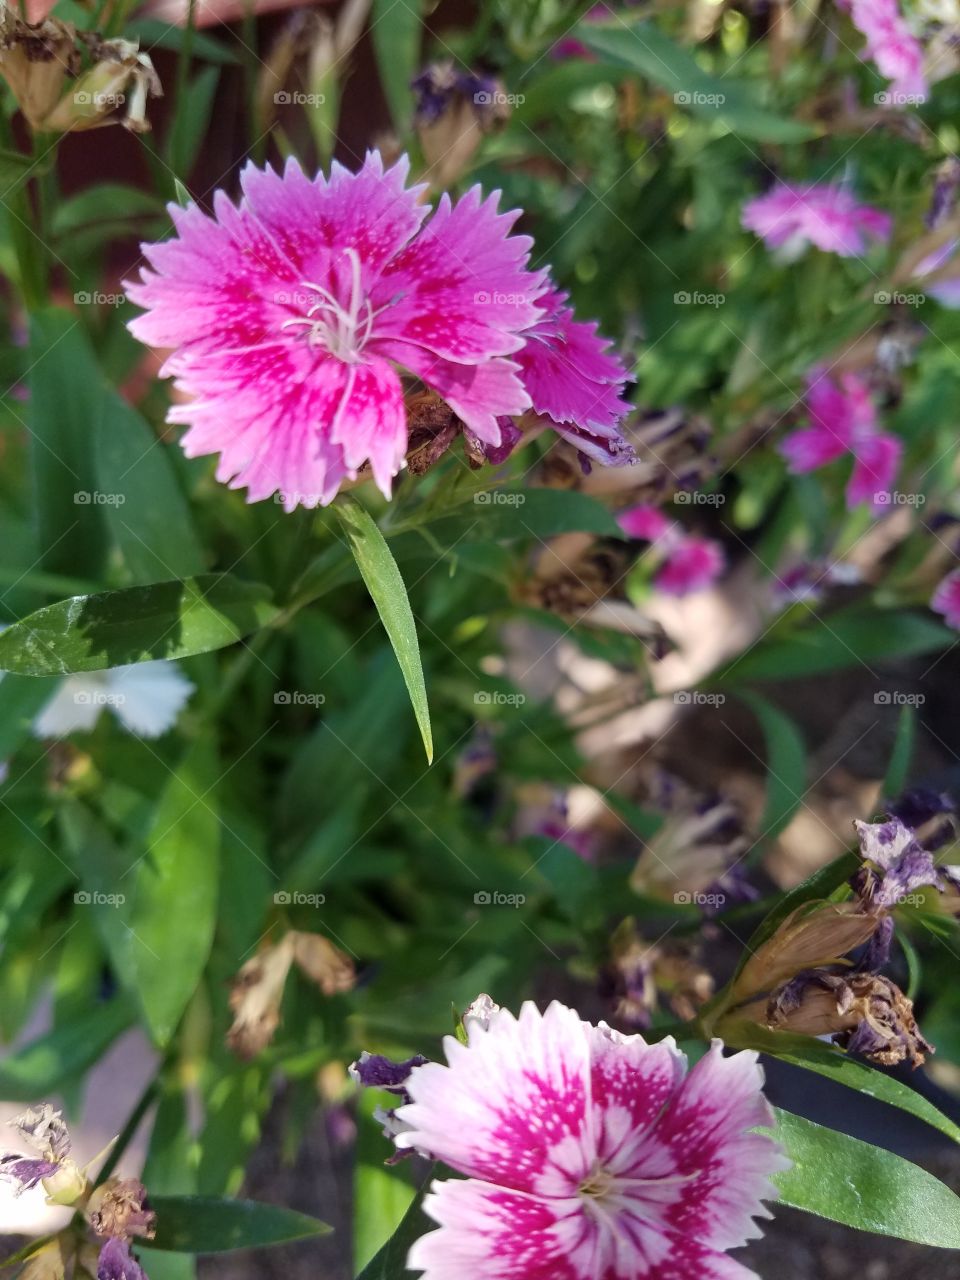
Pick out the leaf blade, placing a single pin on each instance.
(862, 1186)
(207, 1224)
(389, 594)
(173, 619)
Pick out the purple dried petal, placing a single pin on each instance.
(374, 1071)
(28, 1171)
(116, 1262)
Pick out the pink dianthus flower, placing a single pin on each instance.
(789, 217)
(844, 420)
(893, 47)
(588, 1154)
(295, 315)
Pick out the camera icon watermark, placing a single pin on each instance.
(94, 898)
(494, 698)
(897, 298)
(696, 498)
(496, 98)
(894, 498)
(287, 898)
(697, 298)
(103, 101)
(696, 698)
(886, 98)
(494, 898)
(498, 498)
(298, 698)
(98, 698)
(283, 98)
(694, 98)
(693, 898)
(86, 498)
(896, 698)
(84, 298)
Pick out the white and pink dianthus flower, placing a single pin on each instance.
(587, 1154)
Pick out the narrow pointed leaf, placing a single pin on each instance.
(204, 1224)
(388, 592)
(863, 1186)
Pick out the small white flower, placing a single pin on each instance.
(146, 697)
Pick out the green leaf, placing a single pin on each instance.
(397, 30)
(899, 766)
(89, 206)
(642, 48)
(839, 641)
(14, 168)
(391, 1262)
(21, 701)
(786, 778)
(203, 1224)
(526, 513)
(862, 1186)
(66, 387)
(136, 624)
(174, 893)
(382, 1193)
(60, 1056)
(382, 578)
(191, 121)
(148, 516)
(154, 34)
(857, 1075)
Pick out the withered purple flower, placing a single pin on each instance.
(895, 865)
(43, 1129)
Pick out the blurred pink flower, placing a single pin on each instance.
(946, 599)
(688, 563)
(645, 522)
(289, 313)
(692, 565)
(587, 1153)
(893, 47)
(844, 421)
(790, 217)
(571, 377)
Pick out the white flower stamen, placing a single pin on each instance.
(343, 330)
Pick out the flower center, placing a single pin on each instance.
(342, 330)
(601, 1185)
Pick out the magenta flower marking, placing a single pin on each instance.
(589, 1155)
(898, 54)
(290, 313)
(790, 217)
(571, 377)
(844, 421)
(946, 599)
(689, 563)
